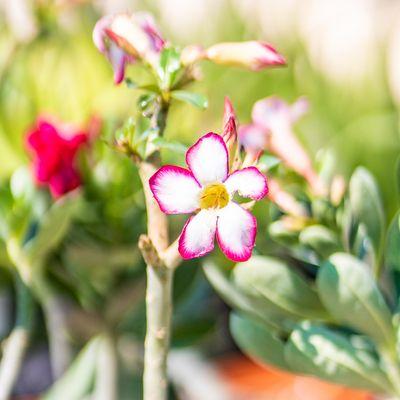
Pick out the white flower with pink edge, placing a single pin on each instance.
(208, 187)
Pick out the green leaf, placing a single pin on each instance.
(349, 292)
(175, 146)
(282, 288)
(392, 255)
(318, 351)
(169, 67)
(195, 99)
(257, 341)
(77, 382)
(321, 239)
(53, 226)
(269, 162)
(366, 206)
(279, 232)
(220, 278)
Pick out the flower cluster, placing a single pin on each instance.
(54, 148)
(215, 173)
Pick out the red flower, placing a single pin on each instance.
(54, 151)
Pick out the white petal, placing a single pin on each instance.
(175, 189)
(236, 232)
(208, 159)
(197, 237)
(248, 182)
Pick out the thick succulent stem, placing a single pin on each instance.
(107, 370)
(56, 311)
(159, 312)
(17, 343)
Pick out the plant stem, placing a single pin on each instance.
(55, 309)
(161, 261)
(159, 312)
(107, 370)
(17, 343)
(158, 295)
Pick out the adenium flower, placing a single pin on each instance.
(271, 129)
(254, 55)
(54, 151)
(125, 38)
(207, 188)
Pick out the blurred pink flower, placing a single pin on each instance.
(208, 188)
(125, 38)
(284, 200)
(272, 129)
(54, 148)
(254, 55)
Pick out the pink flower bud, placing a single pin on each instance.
(229, 133)
(252, 54)
(192, 54)
(124, 38)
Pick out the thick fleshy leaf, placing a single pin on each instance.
(221, 279)
(257, 341)
(236, 232)
(195, 99)
(77, 381)
(285, 290)
(53, 226)
(248, 182)
(392, 255)
(351, 295)
(175, 190)
(366, 206)
(318, 351)
(208, 159)
(320, 239)
(197, 237)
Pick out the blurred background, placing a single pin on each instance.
(343, 56)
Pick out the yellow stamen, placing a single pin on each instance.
(214, 196)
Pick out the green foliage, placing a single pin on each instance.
(321, 239)
(366, 208)
(257, 341)
(349, 292)
(78, 381)
(283, 290)
(195, 99)
(318, 351)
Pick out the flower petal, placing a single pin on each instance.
(175, 189)
(248, 182)
(236, 232)
(118, 60)
(197, 237)
(208, 159)
(253, 137)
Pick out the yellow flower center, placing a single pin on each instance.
(214, 196)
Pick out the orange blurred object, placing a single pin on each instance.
(252, 382)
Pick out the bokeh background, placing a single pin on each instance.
(344, 56)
